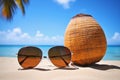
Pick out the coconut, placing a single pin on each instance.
(86, 40)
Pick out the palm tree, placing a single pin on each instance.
(8, 7)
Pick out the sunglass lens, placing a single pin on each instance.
(29, 57)
(60, 56)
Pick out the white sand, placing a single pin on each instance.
(105, 70)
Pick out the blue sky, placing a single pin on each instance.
(45, 21)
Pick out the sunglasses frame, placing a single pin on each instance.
(39, 55)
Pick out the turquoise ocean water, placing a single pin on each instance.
(112, 53)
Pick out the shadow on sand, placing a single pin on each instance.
(40, 69)
(101, 66)
(94, 66)
(66, 68)
(104, 66)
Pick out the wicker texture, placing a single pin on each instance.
(86, 40)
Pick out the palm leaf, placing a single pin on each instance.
(26, 1)
(21, 4)
(8, 8)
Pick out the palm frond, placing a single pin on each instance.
(26, 1)
(8, 8)
(20, 4)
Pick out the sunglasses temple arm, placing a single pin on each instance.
(23, 60)
(64, 60)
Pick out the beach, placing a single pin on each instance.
(45, 70)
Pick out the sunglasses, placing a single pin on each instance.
(30, 57)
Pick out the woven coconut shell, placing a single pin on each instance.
(86, 40)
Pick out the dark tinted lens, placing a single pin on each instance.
(60, 56)
(29, 57)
